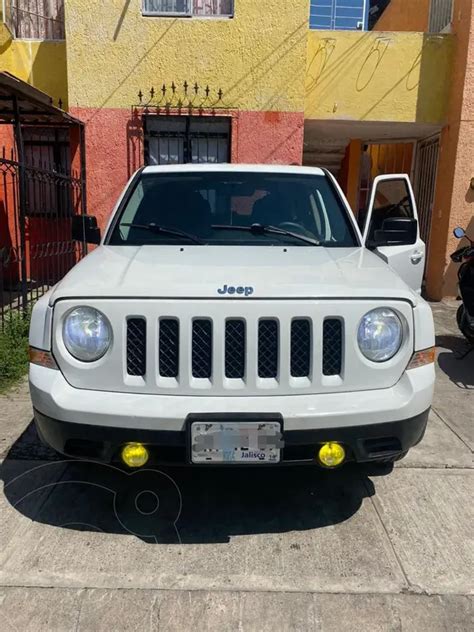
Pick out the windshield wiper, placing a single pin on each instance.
(155, 228)
(260, 229)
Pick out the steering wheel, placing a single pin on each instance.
(293, 226)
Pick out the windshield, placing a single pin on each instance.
(204, 205)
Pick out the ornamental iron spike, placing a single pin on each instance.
(207, 91)
(152, 92)
(196, 88)
(185, 86)
(173, 87)
(163, 89)
(140, 95)
(220, 94)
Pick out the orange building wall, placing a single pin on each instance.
(405, 15)
(454, 199)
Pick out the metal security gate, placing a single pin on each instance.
(425, 183)
(441, 14)
(186, 139)
(42, 186)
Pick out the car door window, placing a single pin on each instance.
(392, 200)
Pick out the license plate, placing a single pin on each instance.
(236, 442)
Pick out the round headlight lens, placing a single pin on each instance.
(380, 335)
(87, 334)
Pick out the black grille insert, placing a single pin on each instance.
(268, 348)
(300, 361)
(136, 346)
(168, 348)
(202, 348)
(332, 346)
(235, 349)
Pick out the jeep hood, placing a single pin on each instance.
(196, 272)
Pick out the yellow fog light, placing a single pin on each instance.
(134, 455)
(331, 454)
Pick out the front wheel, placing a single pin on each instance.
(463, 325)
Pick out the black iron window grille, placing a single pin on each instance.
(35, 19)
(188, 8)
(186, 139)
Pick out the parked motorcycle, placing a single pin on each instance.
(465, 313)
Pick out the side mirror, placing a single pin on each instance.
(84, 228)
(396, 231)
(459, 232)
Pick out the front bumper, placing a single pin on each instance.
(372, 424)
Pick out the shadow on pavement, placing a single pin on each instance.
(173, 505)
(458, 366)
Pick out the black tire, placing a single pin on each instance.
(462, 324)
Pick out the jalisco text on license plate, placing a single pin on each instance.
(236, 442)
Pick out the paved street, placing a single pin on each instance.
(355, 549)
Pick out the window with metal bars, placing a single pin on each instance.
(186, 139)
(189, 8)
(35, 19)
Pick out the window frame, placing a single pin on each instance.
(186, 14)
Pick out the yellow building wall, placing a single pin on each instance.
(383, 76)
(257, 58)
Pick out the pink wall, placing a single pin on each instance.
(114, 147)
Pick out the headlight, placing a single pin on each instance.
(87, 334)
(380, 334)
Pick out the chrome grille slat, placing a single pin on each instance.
(136, 347)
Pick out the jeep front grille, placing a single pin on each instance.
(269, 348)
(202, 349)
(235, 348)
(136, 346)
(332, 346)
(300, 361)
(168, 348)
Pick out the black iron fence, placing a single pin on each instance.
(37, 202)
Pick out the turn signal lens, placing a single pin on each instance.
(331, 454)
(42, 358)
(135, 455)
(420, 358)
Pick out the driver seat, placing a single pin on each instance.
(270, 211)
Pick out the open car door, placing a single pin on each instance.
(391, 228)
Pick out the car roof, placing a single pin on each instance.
(236, 168)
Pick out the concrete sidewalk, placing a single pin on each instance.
(359, 548)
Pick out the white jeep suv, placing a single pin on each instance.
(237, 315)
